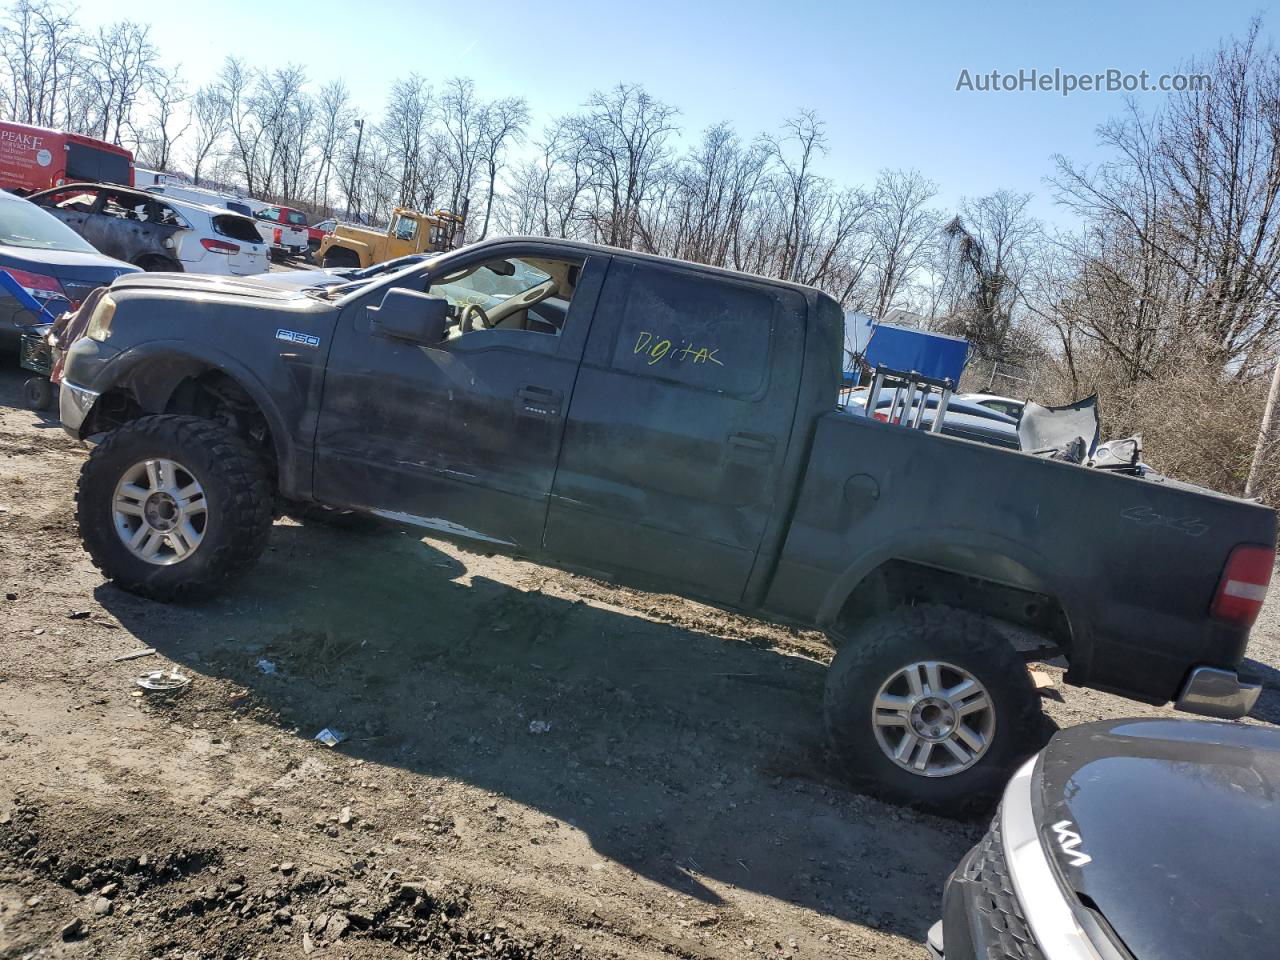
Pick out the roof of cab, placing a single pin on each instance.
(583, 247)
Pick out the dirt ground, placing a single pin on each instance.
(536, 765)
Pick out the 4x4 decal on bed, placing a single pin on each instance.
(1191, 526)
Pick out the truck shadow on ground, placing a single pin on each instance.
(686, 758)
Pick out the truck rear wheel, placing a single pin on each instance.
(173, 507)
(932, 707)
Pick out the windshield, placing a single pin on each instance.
(23, 224)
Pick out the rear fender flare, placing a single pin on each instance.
(984, 550)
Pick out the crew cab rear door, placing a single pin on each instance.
(679, 425)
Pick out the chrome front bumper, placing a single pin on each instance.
(74, 404)
(1213, 692)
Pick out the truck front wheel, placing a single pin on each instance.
(172, 507)
(932, 707)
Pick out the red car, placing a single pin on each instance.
(35, 158)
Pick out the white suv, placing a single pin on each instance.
(282, 238)
(158, 232)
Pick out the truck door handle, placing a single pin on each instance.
(540, 394)
(753, 441)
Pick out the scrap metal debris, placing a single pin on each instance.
(163, 681)
(330, 737)
(134, 655)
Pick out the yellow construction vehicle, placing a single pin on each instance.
(408, 232)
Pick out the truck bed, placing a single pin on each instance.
(1134, 562)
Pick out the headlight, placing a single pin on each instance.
(100, 323)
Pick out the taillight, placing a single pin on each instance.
(39, 285)
(1243, 586)
(882, 417)
(219, 246)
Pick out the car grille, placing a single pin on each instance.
(1008, 937)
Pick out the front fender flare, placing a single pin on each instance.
(169, 362)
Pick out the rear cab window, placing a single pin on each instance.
(698, 330)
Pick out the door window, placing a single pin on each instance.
(695, 330)
(405, 227)
(513, 293)
(74, 198)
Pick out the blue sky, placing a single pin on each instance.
(882, 76)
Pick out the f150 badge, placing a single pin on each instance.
(1069, 841)
(291, 336)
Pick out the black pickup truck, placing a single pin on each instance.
(670, 427)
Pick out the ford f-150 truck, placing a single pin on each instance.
(670, 427)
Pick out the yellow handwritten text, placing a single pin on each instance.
(658, 348)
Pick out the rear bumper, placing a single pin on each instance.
(1214, 692)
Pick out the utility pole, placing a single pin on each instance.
(1264, 433)
(355, 165)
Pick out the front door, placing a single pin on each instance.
(461, 438)
(678, 429)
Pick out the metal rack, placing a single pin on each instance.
(910, 386)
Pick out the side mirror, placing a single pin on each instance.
(410, 315)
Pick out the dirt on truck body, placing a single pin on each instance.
(670, 427)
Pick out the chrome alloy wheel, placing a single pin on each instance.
(933, 719)
(160, 511)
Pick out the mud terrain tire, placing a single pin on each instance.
(866, 664)
(236, 494)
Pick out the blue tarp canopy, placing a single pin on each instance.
(934, 355)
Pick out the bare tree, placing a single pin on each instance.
(503, 123)
(40, 49)
(168, 120)
(461, 115)
(209, 115)
(121, 62)
(407, 135)
(902, 228)
(989, 246)
(234, 89)
(624, 134)
(1182, 239)
(334, 118)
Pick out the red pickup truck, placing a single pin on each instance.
(296, 219)
(36, 158)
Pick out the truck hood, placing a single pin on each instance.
(1170, 829)
(254, 287)
(358, 233)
